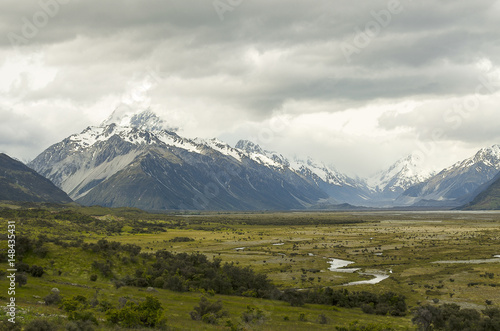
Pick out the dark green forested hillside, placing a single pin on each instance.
(488, 199)
(20, 183)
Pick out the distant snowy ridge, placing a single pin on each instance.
(133, 135)
(457, 184)
(403, 174)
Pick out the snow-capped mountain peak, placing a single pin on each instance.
(490, 156)
(145, 120)
(259, 155)
(136, 136)
(401, 175)
(328, 174)
(457, 184)
(249, 147)
(220, 147)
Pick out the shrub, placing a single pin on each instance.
(21, 279)
(6, 325)
(181, 239)
(41, 251)
(368, 308)
(40, 324)
(147, 313)
(207, 311)
(293, 297)
(210, 318)
(22, 267)
(253, 315)
(104, 267)
(322, 319)
(451, 317)
(80, 326)
(83, 315)
(36, 271)
(52, 299)
(382, 309)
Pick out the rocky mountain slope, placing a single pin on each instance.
(387, 185)
(141, 165)
(456, 185)
(488, 199)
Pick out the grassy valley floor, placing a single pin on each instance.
(422, 253)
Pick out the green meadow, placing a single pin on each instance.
(430, 258)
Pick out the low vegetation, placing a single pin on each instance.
(98, 269)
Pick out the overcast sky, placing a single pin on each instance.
(356, 84)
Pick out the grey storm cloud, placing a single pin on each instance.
(442, 123)
(187, 39)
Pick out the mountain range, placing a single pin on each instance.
(137, 161)
(156, 169)
(456, 185)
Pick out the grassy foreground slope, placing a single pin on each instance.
(107, 262)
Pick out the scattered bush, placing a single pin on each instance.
(84, 316)
(80, 326)
(104, 267)
(36, 271)
(322, 319)
(368, 308)
(52, 299)
(21, 279)
(355, 326)
(293, 297)
(207, 311)
(41, 251)
(181, 239)
(452, 317)
(183, 272)
(253, 315)
(22, 267)
(388, 303)
(40, 324)
(147, 314)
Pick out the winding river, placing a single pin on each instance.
(338, 265)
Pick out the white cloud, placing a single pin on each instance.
(21, 73)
